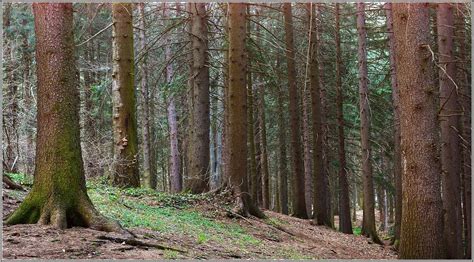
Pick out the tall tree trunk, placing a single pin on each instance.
(237, 115)
(125, 169)
(282, 158)
(368, 222)
(299, 205)
(465, 98)
(397, 165)
(199, 158)
(450, 110)
(59, 195)
(422, 220)
(345, 224)
(10, 117)
(321, 216)
(253, 182)
(305, 102)
(263, 145)
(149, 177)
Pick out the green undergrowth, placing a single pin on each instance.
(165, 213)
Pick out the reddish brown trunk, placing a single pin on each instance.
(237, 115)
(450, 110)
(422, 220)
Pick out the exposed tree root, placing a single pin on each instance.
(58, 214)
(12, 185)
(135, 242)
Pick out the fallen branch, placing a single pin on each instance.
(135, 242)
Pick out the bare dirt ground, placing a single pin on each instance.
(289, 238)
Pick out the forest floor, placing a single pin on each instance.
(186, 226)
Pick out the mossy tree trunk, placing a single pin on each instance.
(237, 112)
(59, 195)
(125, 166)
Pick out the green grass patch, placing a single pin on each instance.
(21, 178)
(166, 213)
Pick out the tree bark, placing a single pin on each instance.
(148, 175)
(422, 220)
(345, 224)
(59, 195)
(450, 111)
(465, 99)
(299, 204)
(199, 157)
(125, 167)
(368, 222)
(321, 215)
(237, 115)
(397, 165)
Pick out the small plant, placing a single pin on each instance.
(357, 231)
(202, 238)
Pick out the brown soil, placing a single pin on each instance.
(292, 238)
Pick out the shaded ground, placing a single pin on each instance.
(197, 226)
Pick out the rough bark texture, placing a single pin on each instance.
(59, 195)
(450, 111)
(199, 155)
(397, 165)
(149, 177)
(321, 190)
(368, 222)
(237, 115)
(299, 204)
(345, 224)
(422, 220)
(125, 166)
(464, 78)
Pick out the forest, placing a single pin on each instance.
(236, 130)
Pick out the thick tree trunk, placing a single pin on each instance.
(368, 222)
(450, 111)
(397, 165)
(237, 115)
(299, 204)
(125, 168)
(149, 177)
(422, 220)
(199, 158)
(59, 195)
(345, 224)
